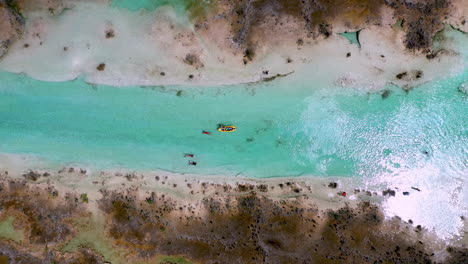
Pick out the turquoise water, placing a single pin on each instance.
(322, 131)
(150, 5)
(180, 6)
(353, 37)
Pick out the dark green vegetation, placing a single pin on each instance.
(238, 226)
(421, 20)
(254, 229)
(11, 24)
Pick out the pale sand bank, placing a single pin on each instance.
(120, 47)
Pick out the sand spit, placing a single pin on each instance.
(76, 215)
(229, 42)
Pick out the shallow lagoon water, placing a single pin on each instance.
(307, 130)
(180, 6)
(289, 127)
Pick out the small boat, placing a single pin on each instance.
(222, 128)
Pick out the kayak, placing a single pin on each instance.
(227, 129)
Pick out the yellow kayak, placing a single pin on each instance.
(227, 129)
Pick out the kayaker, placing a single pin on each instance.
(342, 194)
(206, 132)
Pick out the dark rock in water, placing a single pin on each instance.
(333, 185)
(386, 94)
(463, 88)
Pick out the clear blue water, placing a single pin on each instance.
(353, 37)
(320, 131)
(180, 6)
(150, 5)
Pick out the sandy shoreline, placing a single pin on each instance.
(167, 51)
(91, 179)
(139, 204)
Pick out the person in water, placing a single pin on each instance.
(193, 163)
(190, 155)
(206, 132)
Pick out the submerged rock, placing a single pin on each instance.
(463, 88)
